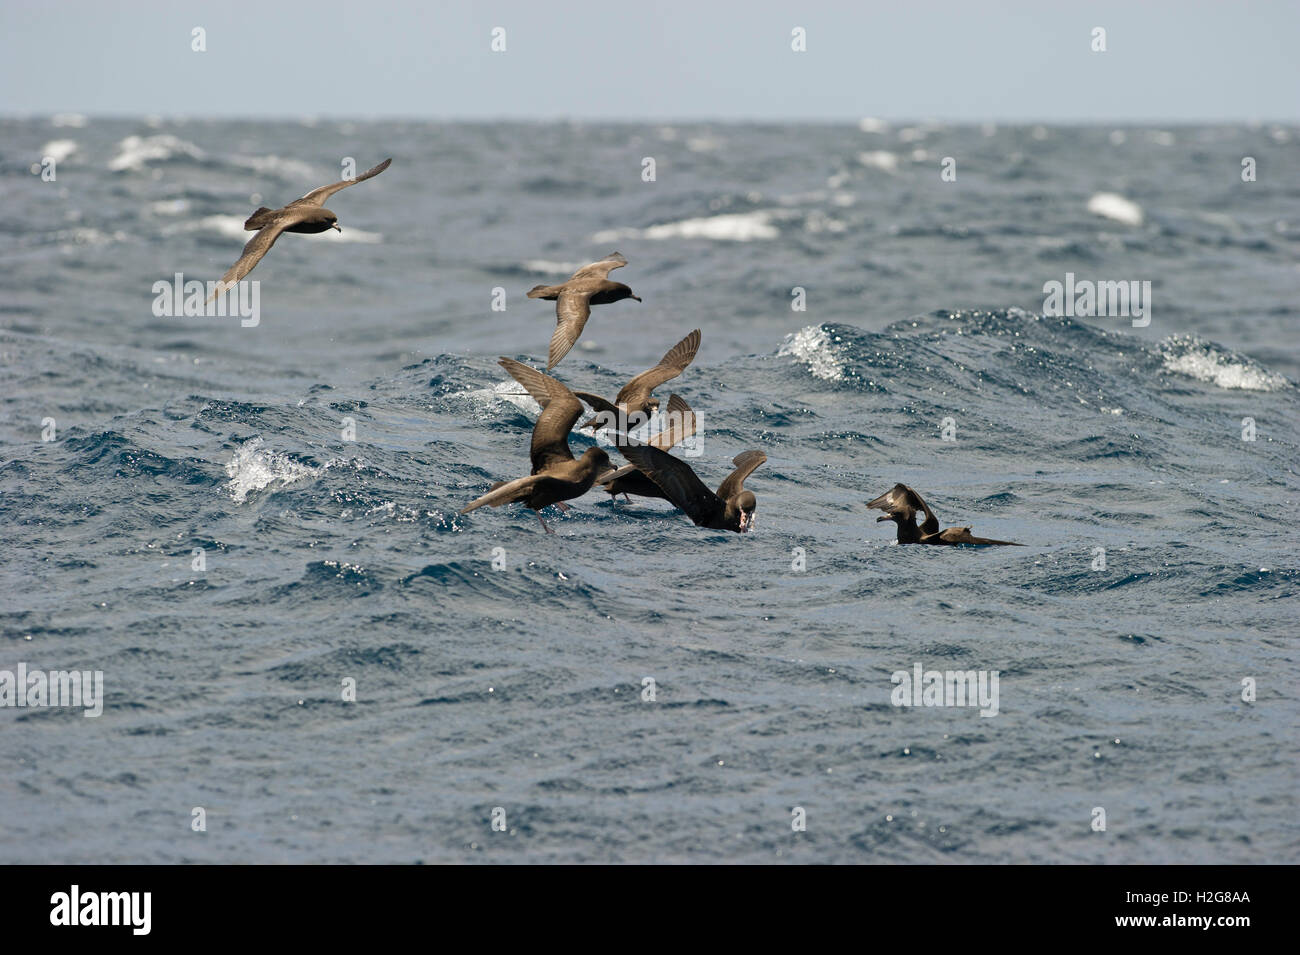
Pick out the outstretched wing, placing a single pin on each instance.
(675, 478)
(572, 309)
(550, 443)
(745, 462)
(901, 499)
(534, 382)
(519, 489)
(681, 425)
(602, 268)
(670, 366)
(317, 197)
(257, 247)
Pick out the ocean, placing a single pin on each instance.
(251, 530)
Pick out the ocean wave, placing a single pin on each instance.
(1205, 361)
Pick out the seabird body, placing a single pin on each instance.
(588, 286)
(900, 504)
(730, 509)
(305, 215)
(556, 476)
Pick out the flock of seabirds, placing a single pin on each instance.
(557, 476)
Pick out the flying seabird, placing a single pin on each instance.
(634, 398)
(556, 476)
(731, 509)
(588, 286)
(302, 215)
(900, 504)
(628, 479)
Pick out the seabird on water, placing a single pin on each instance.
(556, 476)
(588, 286)
(628, 479)
(634, 398)
(900, 504)
(730, 509)
(302, 215)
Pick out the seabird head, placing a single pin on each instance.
(747, 503)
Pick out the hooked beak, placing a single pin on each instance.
(882, 517)
(337, 228)
(637, 297)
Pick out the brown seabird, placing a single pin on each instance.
(588, 286)
(634, 398)
(556, 476)
(628, 479)
(900, 504)
(302, 215)
(730, 509)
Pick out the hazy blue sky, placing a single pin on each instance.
(667, 59)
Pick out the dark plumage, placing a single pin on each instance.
(628, 479)
(634, 398)
(305, 215)
(588, 286)
(556, 477)
(730, 509)
(900, 504)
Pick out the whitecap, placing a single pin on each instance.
(1110, 205)
(253, 468)
(135, 151)
(880, 159)
(813, 346)
(1204, 361)
(58, 149)
(729, 227)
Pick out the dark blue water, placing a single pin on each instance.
(328, 560)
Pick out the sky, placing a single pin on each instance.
(974, 61)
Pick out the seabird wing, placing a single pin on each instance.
(317, 197)
(677, 480)
(572, 310)
(746, 462)
(681, 425)
(962, 535)
(560, 410)
(534, 382)
(517, 490)
(257, 247)
(602, 268)
(901, 499)
(670, 366)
